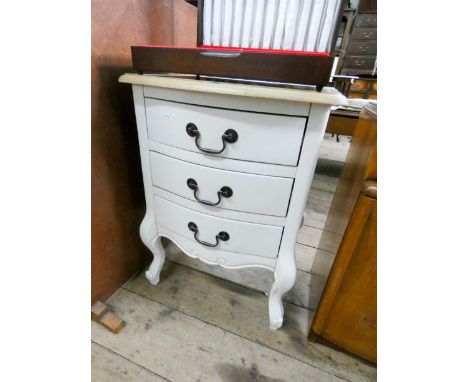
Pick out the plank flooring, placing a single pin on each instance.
(206, 323)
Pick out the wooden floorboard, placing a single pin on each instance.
(305, 292)
(107, 366)
(207, 323)
(244, 312)
(180, 347)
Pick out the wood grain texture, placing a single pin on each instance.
(242, 311)
(328, 96)
(305, 292)
(359, 160)
(341, 125)
(116, 186)
(180, 347)
(108, 366)
(347, 314)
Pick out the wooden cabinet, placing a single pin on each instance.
(347, 313)
(361, 54)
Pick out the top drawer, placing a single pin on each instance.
(260, 137)
(367, 20)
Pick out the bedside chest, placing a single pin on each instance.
(227, 170)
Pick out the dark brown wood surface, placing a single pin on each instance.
(367, 6)
(117, 197)
(300, 69)
(361, 53)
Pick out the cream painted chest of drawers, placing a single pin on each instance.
(227, 170)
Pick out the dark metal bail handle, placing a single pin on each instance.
(223, 236)
(225, 191)
(229, 136)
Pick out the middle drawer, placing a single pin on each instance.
(237, 191)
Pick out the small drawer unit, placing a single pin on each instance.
(361, 52)
(227, 171)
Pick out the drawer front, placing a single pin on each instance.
(359, 62)
(363, 48)
(249, 193)
(360, 85)
(367, 20)
(364, 34)
(247, 238)
(260, 137)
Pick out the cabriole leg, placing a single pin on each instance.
(148, 233)
(285, 276)
(152, 274)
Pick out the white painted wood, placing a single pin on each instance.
(285, 272)
(250, 193)
(266, 143)
(148, 230)
(224, 163)
(261, 137)
(225, 259)
(176, 218)
(220, 212)
(261, 105)
(265, 96)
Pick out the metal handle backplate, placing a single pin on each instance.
(223, 236)
(225, 191)
(229, 136)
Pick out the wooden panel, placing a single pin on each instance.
(250, 193)
(261, 137)
(179, 347)
(109, 366)
(347, 314)
(353, 175)
(341, 125)
(328, 96)
(367, 6)
(117, 198)
(176, 219)
(242, 312)
(258, 65)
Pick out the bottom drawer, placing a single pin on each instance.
(213, 233)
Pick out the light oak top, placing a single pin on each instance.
(328, 96)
